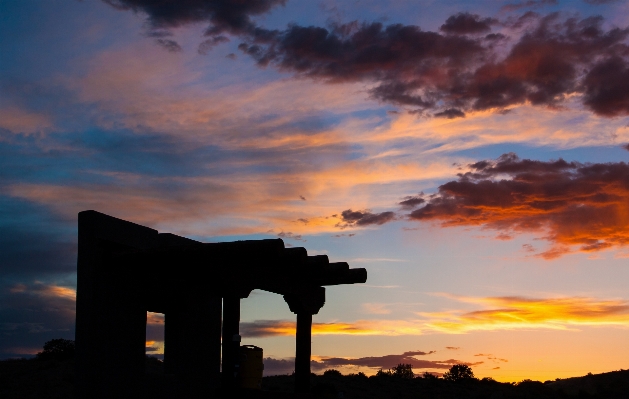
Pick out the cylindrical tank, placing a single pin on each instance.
(251, 367)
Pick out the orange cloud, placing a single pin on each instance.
(45, 290)
(262, 328)
(507, 313)
(570, 204)
(154, 318)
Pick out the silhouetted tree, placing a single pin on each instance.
(429, 376)
(383, 373)
(459, 372)
(57, 349)
(403, 371)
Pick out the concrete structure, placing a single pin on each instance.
(125, 270)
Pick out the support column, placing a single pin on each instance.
(231, 340)
(110, 315)
(192, 335)
(192, 345)
(305, 304)
(303, 344)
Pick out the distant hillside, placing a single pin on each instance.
(51, 379)
(606, 385)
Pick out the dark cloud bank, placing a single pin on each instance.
(471, 63)
(570, 204)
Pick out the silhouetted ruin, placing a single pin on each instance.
(125, 270)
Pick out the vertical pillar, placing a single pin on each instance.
(173, 340)
(231, 339)
(192, 340)
(110, 314)
(303, 352)
(306, 303)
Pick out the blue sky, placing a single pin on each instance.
(315, 121)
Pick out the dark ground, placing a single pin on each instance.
(43, 379)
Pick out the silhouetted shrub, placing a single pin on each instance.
(332, 373)
(57, 349)
(459, 372)
(429, 376)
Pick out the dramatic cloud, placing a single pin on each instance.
(452, 73)
(464, 23)
(223, 16)
(573, 204)
(364, 218)
(507, 313)
(606, 87)
(541, 60)
(411, 66)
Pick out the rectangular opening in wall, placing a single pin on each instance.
(154, 342)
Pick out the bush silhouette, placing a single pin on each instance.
(332, 373)
(459, 372)
(57, 349)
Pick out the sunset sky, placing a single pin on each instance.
(470, 155)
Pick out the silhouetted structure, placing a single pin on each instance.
(125, 270)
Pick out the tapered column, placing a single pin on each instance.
(231, 340)
(305, 304)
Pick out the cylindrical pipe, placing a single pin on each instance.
(302, 352)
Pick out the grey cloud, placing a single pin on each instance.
(364, 218)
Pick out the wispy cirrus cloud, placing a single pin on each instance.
(495, 314)
(267, 328)
(44, 290)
